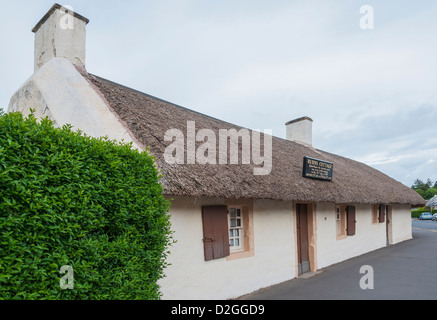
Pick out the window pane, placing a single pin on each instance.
(231, 233)
(238, 222)
(237, 232)
(232, 223)
(232, 212)
(238, 213)
(237, 242)
(232, 242)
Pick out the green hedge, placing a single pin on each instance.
(419, 211)
(92, 204)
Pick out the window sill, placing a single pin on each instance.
(341, 237)
(240, 255)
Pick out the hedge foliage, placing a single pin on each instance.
(68, 199)
(417, 212)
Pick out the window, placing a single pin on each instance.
(341, 221)
(378, 213)
(228, 231)
(236, 230)
(345, 221)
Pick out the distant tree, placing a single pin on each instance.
(428, 183)
(421, 192)
(419, 184)
(426, 189)
(431, 192)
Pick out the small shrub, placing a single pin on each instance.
(68, 199)
(416, 213)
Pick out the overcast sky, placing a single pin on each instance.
(258, 64)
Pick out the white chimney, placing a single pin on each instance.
(60, 33)
(300, 130)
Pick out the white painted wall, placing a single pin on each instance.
(301, 131)
(368, 236)
(190, 277)
(401, 224)
(275, 240)
(63, 36)
(59, 91)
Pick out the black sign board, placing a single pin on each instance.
(317, 169)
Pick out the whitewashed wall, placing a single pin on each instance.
(190, 277)
(369, 236)
(401, 224)
(59, 91)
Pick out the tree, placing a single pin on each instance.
(420, 185)
(431, 192)
(421, 192)
(428, 183)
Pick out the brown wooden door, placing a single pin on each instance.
(351, 220)
(388, 225)
(302, 238)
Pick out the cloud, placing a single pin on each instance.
(399, 143)
(259, 64)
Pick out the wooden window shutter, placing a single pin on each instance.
(351, 222)
(215, 232)
(382, 210)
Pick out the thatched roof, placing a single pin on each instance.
(148, 118)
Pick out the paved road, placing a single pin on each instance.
(405, 271)
(425, 224)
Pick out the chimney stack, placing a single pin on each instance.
(300, 130)
(61, 33)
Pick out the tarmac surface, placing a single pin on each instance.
(404, 271)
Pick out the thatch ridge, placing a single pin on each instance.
(148, 118)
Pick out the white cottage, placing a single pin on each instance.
(237, 229)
